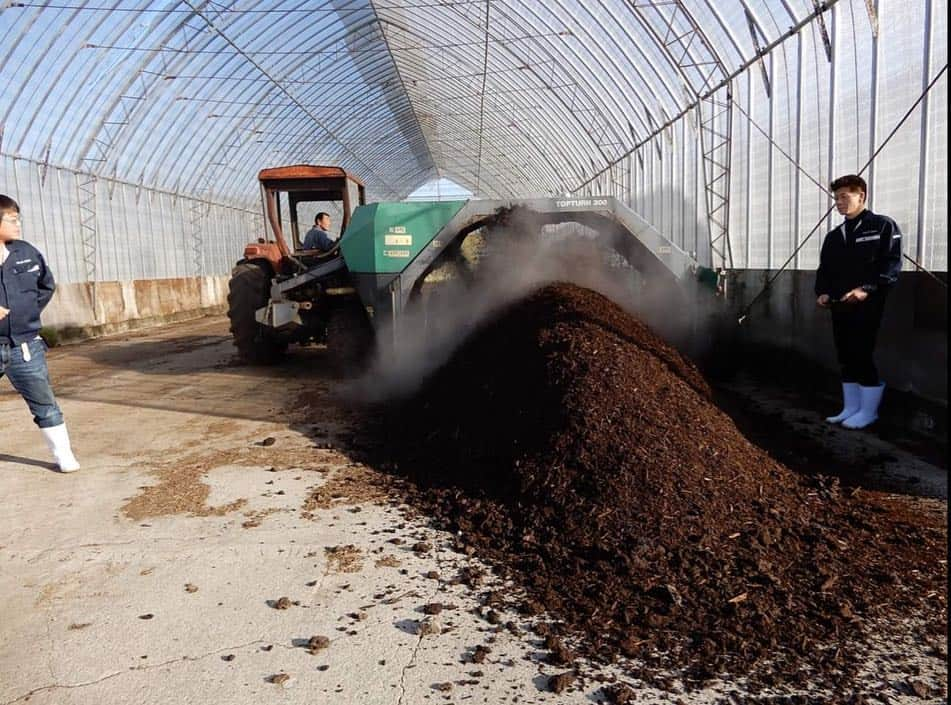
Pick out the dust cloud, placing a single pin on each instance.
(500, 265)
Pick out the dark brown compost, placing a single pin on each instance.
(581, 455)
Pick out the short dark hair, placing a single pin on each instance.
(853, 182)
(8, 204)
(319, 216)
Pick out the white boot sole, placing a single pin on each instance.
(859, 425)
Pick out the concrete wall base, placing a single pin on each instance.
(75, 334)
(912, 349)
(90, 309)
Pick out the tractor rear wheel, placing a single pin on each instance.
(248, 291)
(350, 337)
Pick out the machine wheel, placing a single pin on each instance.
(248, 291)
(350, 337)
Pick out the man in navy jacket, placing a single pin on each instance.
(318, 237)
(26, 286)
(859, 262)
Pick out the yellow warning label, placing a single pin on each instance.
(405, 240)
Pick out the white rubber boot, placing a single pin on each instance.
(868, 414)
(852, 402)
(57, 438)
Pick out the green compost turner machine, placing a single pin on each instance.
(280, 293)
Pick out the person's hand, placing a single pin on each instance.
(3, 312)
(823, 301)
(855, 296)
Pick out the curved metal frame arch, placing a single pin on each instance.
(516, 130)
(211, 146)
(501, 79)
(239, 65)
(410, 65)
(452, 119)
(242, 55)
(716, 156)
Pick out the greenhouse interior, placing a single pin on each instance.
(559, 352)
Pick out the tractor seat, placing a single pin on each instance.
(316, 256)
(319, 254)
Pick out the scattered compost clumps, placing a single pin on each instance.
(572, 448)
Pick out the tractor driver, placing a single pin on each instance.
(318, 237)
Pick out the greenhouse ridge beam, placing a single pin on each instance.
(328, 52)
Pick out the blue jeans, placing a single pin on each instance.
(32, 380)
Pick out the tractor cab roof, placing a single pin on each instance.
(289, 177)
(307, 183)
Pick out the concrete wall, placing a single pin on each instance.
(89, 309)
(912, 351)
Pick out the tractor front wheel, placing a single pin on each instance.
(249, 290)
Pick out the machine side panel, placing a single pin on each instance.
(384, 238)
(631, 235)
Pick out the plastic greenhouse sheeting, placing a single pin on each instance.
(720, 121)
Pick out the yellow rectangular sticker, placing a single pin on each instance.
(404, 240)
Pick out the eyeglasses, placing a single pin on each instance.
(15, 219)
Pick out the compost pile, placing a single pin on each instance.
(582, 456)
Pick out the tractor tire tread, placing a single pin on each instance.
(248, 291)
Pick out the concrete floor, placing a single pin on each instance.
(152, 575)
